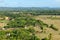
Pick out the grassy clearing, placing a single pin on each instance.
(48, 19)
(3, 23)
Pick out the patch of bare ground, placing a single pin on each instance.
(2, 24)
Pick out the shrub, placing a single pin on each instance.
(52, 26)
(44, 39)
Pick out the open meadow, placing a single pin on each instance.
(50, 19)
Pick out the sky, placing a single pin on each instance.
(29, 3)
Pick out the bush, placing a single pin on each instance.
(44, 39)
(52, 26)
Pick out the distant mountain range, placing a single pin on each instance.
(26, 8)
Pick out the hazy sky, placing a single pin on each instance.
(29, 3)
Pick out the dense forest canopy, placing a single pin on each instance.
(32, 10)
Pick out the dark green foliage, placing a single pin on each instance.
(33, 37)
(16, 23)
(25, 21)
(50, 36)
(17, 34)
(44, 39)
(41, 24)
(31, 30)
(52, 26)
